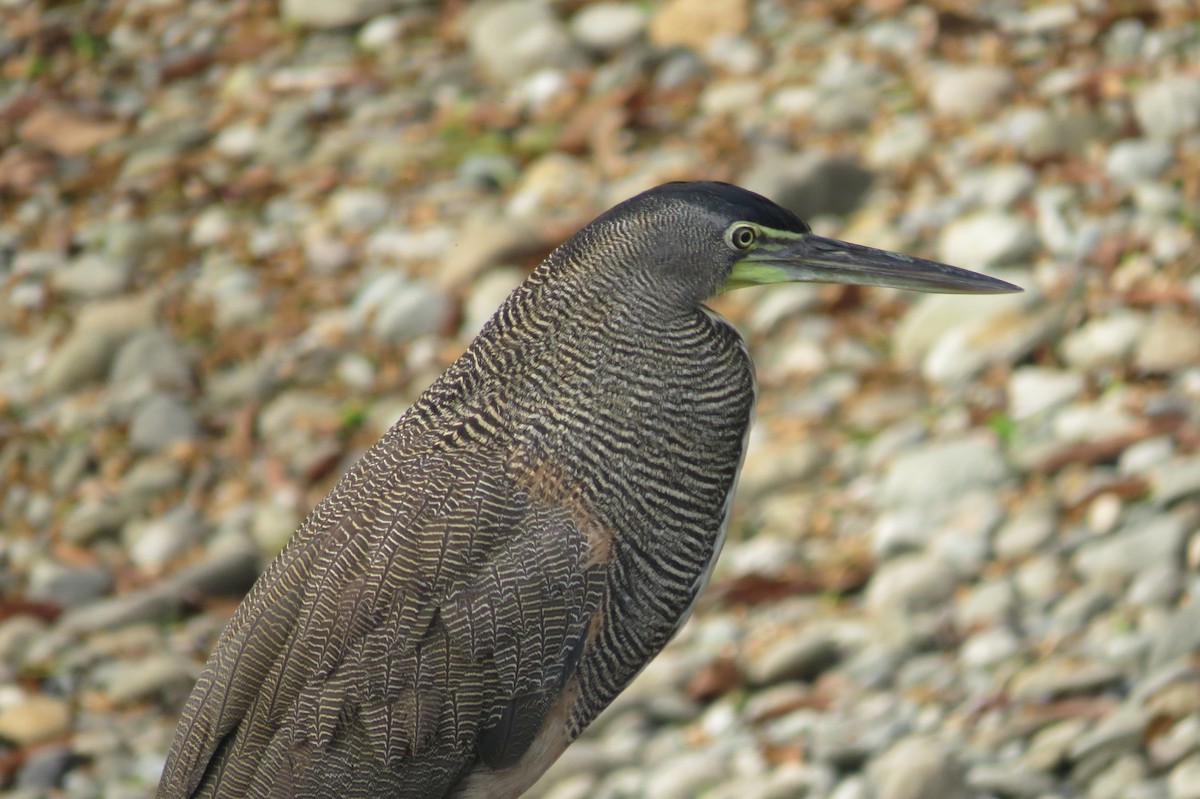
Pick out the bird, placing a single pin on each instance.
(530, 533)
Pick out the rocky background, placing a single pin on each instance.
(238, 238)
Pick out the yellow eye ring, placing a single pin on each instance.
(742, 237)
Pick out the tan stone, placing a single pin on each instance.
(692, 23)
(37, 718)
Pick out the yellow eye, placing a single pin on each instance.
(742, 237)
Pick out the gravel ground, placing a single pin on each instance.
(237, 238)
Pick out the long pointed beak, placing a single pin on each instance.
(810, 258)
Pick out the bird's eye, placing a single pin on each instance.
(742, 237)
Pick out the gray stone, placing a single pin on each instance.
(91, 519)
(67, 586)
(1054, 678)
(93, 275)
(489, 170)
(809, 184)
(43, 769)
(987, 648)
(911, 583)
(966, 334)
(17, 634)
(415, 310)
(152, 358)
(99, 331)
(1026, 531)
(510, 39)
(685, 776)
(333, 13)
(1142, 543)
(1117, 779)
(159, 421)
(359, 208)
(238, 141)
(381, 34)
(1034, 132)
(607, 27)
(1132, 161)
(1033, 390)
(1143, 456)
(987, 239)
(1118, 733)
(968, 91)
(997, 187)
(799, 657)
(1168, 107)
(229, 568)
(232, 290)
(486, 295)
(918, 768)
(1174, 479)
(153, 544)
(1184, 779)
(986, 604)
(1049, 748)
(902, 141)
(151, 604)
(1179, 637)
(212, 226)
(1009, 780)
(1103, 341)
(150, 478)
(939, 472)
(147, 678)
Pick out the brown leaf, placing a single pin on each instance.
(715, 678)
(64, 132)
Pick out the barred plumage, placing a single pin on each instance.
(514, 550)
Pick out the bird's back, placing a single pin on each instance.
(489, 575)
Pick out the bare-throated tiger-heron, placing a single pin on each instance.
(531, 532)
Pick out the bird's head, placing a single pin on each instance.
(686, 242)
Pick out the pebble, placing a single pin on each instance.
(154, 544)
(159, 421)
(1171, 341)
(512, 39)
(1168, 107)
(939, 472)
(800, 657)
(415, 310)
(968, 91)
(93, 275)
(900, 142)
(99, 331)
(684, 776)
(151, 358)
(359, 208)
(34, 719)
(332, 13)
(1139, 545)
(609, 27)
(987, 239)
(911, 583)
(694, 23)
(67, 586)
(916, 768)
(1184, 780)
(1034, 390)
(1133, 161)
(1172, 479)
(1103, 341)
(809, 184)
